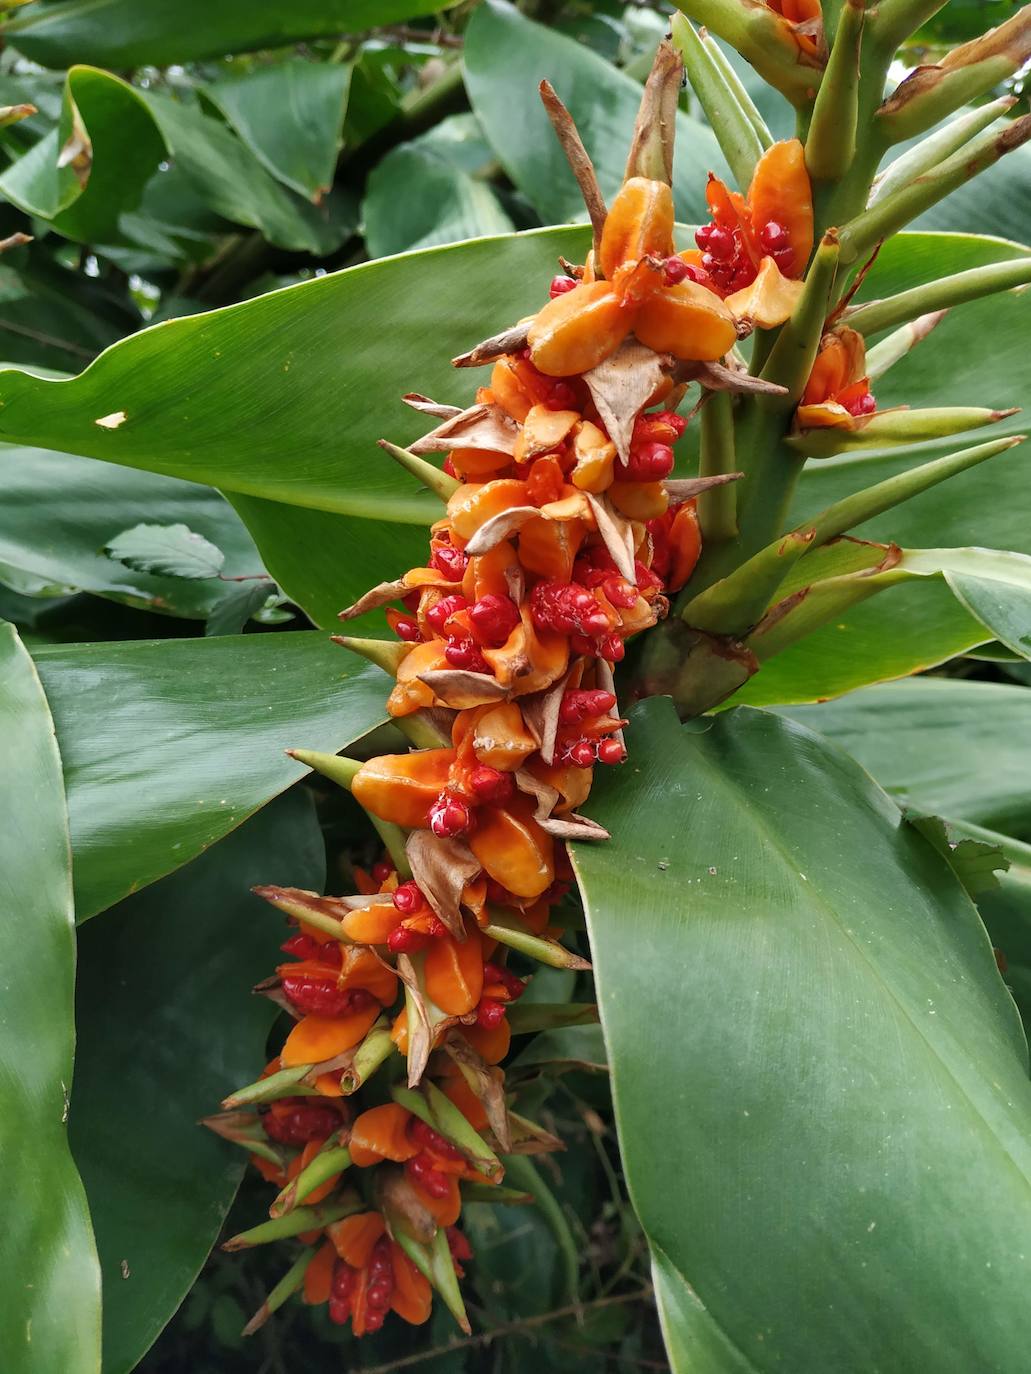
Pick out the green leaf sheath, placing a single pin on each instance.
(168, 1026)
(805, 995)
(50, 1313)
(168, 745)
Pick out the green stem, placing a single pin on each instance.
(285, 1288)
(717, 508)
(294, 1223)
(942, 294)
(520, 1170)
(830, 146)
(322, 1168)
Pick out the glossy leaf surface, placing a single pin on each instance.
(168, 1026)
(168, 745)
(50, 1313)
(832, 1019)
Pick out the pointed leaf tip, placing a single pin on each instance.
(431, 477)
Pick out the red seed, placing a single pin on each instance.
(464, 653)
(382, 871)
(490, 784)
(441, 611)
(650, 462)
(494, 973)
(612, 649)
(579, 703)
(430, 1139)
(403, 940)
(458, 1244)
(675, 270)
(861, 405)
(494, 617)
(420, 1169)
(300, 1122)
(620, 592)
(435, 928)
(408, 899)
(720, 243)
(449, 817)
(611, 751)
(490, 1013)
(450, 562)
(561, 397)
(318, 997)
(560, 285)
(407, 630)
(580, 754)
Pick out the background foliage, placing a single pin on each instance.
(183, 157)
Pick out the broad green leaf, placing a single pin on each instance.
(170, 550)
(562, 1049)
(93, 165)
(953, 748)
(830, 1051)
(168, 745)
(167, 1027)
(1006, 912)
(50, 1314)
(121, 33)
(51, 317)
(994, 586)
(506, 55)
(238, 603)
(233, 181)
(427, 191)
(290, 115)
(58, 511)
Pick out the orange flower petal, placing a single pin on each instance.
(381, 1133)
(354, 1237)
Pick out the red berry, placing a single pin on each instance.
(612, 649)
(449, 817)
(408, 899)
(464, 653)
(441, 611)
(579, 703)
(435, 928)
(671, 418)
(490, 1014)
(458, 1244)
(720, 243)
(430, 1139)
(420, 1169)
(322, 997)
(402, 940)
(490, 784)
(494, 617)
(620, 592)
(296, 1121)
(560, 285)
(674, 271)
(611, 751)
(773, 236)
(407, 630)
(494, 973)
(561, 397)
(580, 754)
(450, 562)
(382, 871)
(861, 405)
(650, 462)
(300, 946)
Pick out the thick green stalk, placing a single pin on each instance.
(322, 1168)
(938, 146)
(289, 1284)
(374, 1050)
(830, 145)
(763, 39)
(736, 603)
(895, 20)
(516, 936)
(890, 428)
(717, 507)
(722, 64)
(294, 1223)
(943, 294)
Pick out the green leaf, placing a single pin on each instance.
(567, 1047)
(975, 863)
(59, 510)
(93, 166)
(506, 55)
(832, 1053)
(173, 550)
(168, 745)
(167, 1026)
(290, 114)
(240, 601)
(121, 33)
(940, 745)
(1006, 912)
(50, 1315)
(427, 191)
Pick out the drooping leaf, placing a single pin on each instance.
(120, 33)
(427, 192)
(238, 603)
(167, 1027)
(507, 54)
(290, 114)
(93, 165)
(941, 746)
(830, 1050)
(169, 550)
(58, 511)
(50, 1315)
(168, 745)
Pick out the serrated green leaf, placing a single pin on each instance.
(169, 550)
(239, 602)
(975, 863)
(168, 745)
(50, 1315)
(832, 1054)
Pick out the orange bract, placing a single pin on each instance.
(354, 1237)
(578, 330)
(413, 1296)
(780, 191)
(688, 321)
(318, 1038)
(318, 1277)
(381, 1133)
(513, 848)
(453, 972)
(402, 787)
